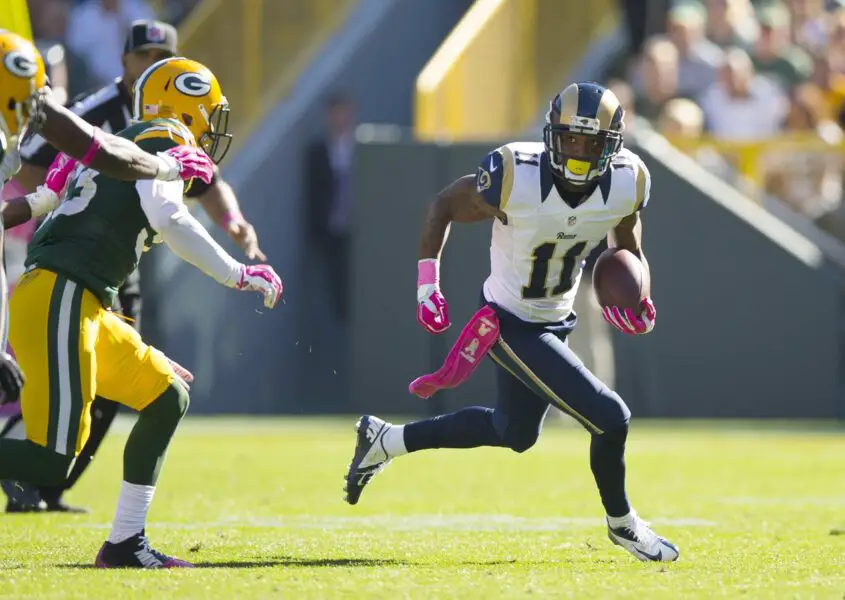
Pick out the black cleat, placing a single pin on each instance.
(23, 497)
(370, 457)
(135, 553)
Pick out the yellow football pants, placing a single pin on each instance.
(71, 349)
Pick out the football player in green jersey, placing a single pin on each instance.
(74, 348)
(25, 103)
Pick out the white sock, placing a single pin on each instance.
(394, 441)
(132, 507)
(626, 521)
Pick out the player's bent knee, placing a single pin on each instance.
(183, 398)
(517, 435)
(171, 405)
(520, 445)
(521, 439)
(615, 414)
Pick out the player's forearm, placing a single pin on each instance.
(191, 242)
(122, 159)
(116, 157)
(16, 212)
(66, 131)
(220, 203)
(30, 177)
(435, 229)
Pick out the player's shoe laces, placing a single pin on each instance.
(135, 553)
(370, 457)
(639, 539)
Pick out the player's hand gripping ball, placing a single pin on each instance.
(623, 290)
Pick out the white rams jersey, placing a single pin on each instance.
(537, 255)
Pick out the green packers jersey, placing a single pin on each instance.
(97, 234)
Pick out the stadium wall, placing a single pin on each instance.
(750, 311)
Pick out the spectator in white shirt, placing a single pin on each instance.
(96, 32)
(743, 105)
(699, 58)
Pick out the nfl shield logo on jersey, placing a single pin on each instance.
(571, 221)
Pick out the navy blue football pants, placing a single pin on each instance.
(535, 370)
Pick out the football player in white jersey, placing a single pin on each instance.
(551, 202)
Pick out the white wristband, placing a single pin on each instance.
(169, 168)
(42, 201)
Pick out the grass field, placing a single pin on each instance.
(257, 505)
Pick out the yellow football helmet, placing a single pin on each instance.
(186, 91)
(21, 75)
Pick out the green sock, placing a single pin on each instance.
(23, 460)
(148, 442)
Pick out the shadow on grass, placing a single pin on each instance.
(290, 561)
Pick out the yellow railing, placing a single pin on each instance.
(753, 160)
(500, 63)
(257, 48)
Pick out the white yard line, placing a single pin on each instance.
(788, 501)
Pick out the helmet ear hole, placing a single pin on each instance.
(187, 119)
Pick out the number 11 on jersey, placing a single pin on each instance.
(542, 254)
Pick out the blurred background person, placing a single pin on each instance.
(774, 54)
(49, 26)
(656, 79)
(329, 198)
(699, 59)
(808, 180)
(809, 24)
(742, 105)
(96, 31)
(731, 23)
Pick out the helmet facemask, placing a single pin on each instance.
(216, 139)
(580, 152)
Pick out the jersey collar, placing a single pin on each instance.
(571, 199)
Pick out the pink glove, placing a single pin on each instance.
(59, 172)
(193, 162)
(432, 310)
(261, 279)
(627, 322)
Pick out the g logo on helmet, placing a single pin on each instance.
(20, 64)
(192, 84)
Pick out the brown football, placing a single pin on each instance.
(619, 279)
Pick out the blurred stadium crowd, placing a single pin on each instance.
(82, 40)
(754, 91)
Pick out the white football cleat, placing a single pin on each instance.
(370, 457)
(639, 539)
